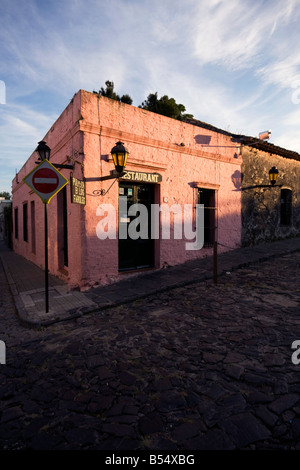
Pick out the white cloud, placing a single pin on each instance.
(292, 118)
(21, 128)
(231, 63)
(236, 33)
(283, 71)
(288, 136)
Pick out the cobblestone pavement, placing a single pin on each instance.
(199, 367)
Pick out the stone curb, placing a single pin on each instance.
(21, 310)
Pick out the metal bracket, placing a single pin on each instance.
(67, 167)
(114, 175)
(60, 166)
(102, 192)
(262, 186)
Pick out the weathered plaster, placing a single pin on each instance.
(86, 131)
(261, 206)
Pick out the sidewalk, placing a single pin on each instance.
(26, 282)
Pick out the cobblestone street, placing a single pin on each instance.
(198, 367)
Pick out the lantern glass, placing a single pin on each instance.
(273, 174)
(119, 154)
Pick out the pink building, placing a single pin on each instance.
(170, 164)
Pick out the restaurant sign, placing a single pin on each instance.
(78, 195)
(142, 177)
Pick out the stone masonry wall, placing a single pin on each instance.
(261, 206)
(156, 144)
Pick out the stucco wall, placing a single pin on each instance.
(166, 146)
(261, 206)
(187, 156)
(65, 139)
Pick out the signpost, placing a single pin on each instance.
(46, 181)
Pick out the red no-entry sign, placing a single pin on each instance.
(45, 180)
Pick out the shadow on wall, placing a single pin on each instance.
(202, 139)
(237, 180)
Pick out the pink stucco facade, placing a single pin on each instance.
(187, 157)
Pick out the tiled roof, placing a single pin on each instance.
(248, 140)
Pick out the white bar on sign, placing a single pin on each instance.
(45, 180)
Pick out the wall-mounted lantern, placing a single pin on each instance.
(273, 174)
(44, 154)
(119, 155)
(43, 150)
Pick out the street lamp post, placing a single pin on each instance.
(44, 154)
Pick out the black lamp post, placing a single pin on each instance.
(44, 154)
(273, 174)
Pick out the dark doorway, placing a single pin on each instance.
(62, 228)
(207, 197)
(25, 222)
(33, 243)
(138, 253)
(286, 207)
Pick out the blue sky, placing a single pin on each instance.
(234, 64)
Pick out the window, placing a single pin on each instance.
(207, 197)
(25, 222)
(16, 223)
(286, 207)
